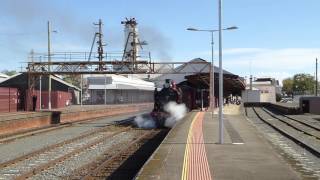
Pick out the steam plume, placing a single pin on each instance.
(176, 111)
(145, 122)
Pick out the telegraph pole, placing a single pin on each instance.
(100, 45)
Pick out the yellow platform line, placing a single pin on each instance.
(185, 169)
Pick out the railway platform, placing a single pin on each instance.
(191, 151)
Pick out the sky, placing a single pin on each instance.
(276, 38)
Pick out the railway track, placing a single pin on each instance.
(102, 151)
(109, 161)
(301, 133)
(34, 162)
(106, 167)
(298, 125)
(93, 154)
(314, 124)
(37, 131)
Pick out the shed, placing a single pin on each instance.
(310, 104)
(62, 93)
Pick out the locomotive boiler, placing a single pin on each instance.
(169, 93)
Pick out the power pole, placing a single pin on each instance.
(100, 45)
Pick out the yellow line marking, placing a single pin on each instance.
(184, 175)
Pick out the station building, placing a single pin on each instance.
(263, 90)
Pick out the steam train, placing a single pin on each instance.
(172, 92)
(169, 92)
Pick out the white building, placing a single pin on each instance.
(253, 95)
(263, 90)
(115, 89)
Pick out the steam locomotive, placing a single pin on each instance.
(169, 93)
(184, 92)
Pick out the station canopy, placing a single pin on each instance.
(198, 75)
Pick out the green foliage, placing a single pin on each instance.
(303, 83)
(287, 86)
(9, 73)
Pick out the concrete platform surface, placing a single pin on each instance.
(191, 151)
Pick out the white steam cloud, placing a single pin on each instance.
(176, 112)
(145, 122)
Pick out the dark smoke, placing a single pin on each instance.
(157, 42)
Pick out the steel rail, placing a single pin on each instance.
(31, 154)
(293, 126)
(68, 155)
(312, 150)
(297, 120)
(107, 162)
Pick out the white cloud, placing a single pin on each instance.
(278, 63)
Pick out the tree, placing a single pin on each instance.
(9, 73)
(287, 86)
(303, 83)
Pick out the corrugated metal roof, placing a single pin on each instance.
(118, 82)
(53, 77)
(199, 67)
(3, 75)
(190, 69)
(64, 82)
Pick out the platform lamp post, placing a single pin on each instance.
(49, 63)
(212, 69)
(316, 76)
(221, 125)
